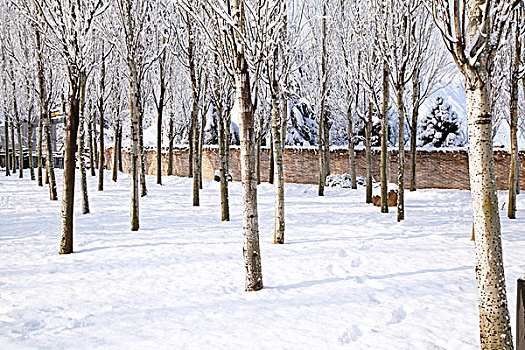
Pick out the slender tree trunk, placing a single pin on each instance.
(351, 150)
(142, 160)
(95, 144)
(13, 147)
(120, 166)
(201, 146)
(91, 146)
(278, 237)
(413, 129)
(196, 187)
(190, 147)
(251, 250)
(81, 162)
(401, 156)
(81, 138)
(50, 163)
(326, 148)
(7, 158)
(160, 110)
(271, 165)
(115, 151)
(40, 141)
(68, 193)
(258, 151)
(495, 330)
(30, 145)
(223, 170)
(384, 140)
(170, 149)
(20, 151)
(368, 147)
(514, 96)
(134, 170)
(320, 149)
(102, 150)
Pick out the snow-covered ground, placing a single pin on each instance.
(348, 276)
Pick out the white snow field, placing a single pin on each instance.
(348, 277)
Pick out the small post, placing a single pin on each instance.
(520, 314)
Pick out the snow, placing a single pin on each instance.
(348, 277)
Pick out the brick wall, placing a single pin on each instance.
(435, 169)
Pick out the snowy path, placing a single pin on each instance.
(348, 277)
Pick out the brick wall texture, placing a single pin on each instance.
(435, 169)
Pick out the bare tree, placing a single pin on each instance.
(472, 32)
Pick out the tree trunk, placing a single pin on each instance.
(50, 164)
(252, 254)
(68, 193)
(115, 151)
(13, 147)
(142, 160)
(495, 330)
(413, 129)
(170, 149)
(20, 151)
(196, 187)
(351, 151)
(7, 159)
(101, 163)
(320, 149)
(83, 177)
(201, 146)
(120, 166)
(401, 156)
(30, 145)
(190, 147)
(251, 250)
(368, 145)
(271, 164)
(134, 170)
(223, 170)
(95, 145)
(384, 140)
(160, 110)
(91, 146)
(278, 237)
(326, 148)
(514, 96)
(259, 141)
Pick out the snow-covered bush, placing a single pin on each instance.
(441, 127)
(301, 128)
(339, 180)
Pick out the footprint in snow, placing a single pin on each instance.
(351, 335)
(342, 253)
(398, 315)
(356, 262)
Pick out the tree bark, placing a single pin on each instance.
(13, 147)
(384, 140)
(7, 158)
(271, 163)
(50, 164)
(201, 145)
(68, 193)
(115, 151)
(134, 170)
(401, 156)
(102, 150)
(322, 146)
(223, 170)
(416, 90)
(83, 177)
(278, 237)
(91, 146)
(170, 149)
(120, 166)
(40, 141)
(258, 151)
(251, 250)
(30, 144)
(514, 96)
(20, 151)
(495, 330)
(351, 150)
(368, 146)
(142, 155)
(160, 110)
(95, 145)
